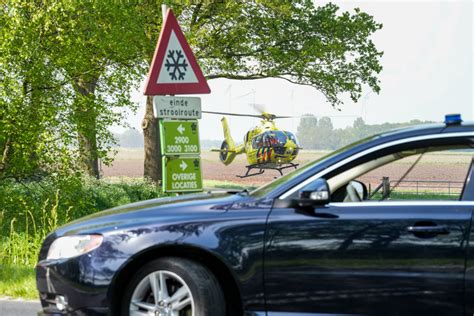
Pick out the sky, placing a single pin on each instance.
(427, 73)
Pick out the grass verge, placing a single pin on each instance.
(17, 282)
(30, 210)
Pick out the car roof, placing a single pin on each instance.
(423, 129)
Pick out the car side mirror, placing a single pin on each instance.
(314, 194)
(358, 189)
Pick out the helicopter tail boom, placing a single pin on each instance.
(227, 136)
(228, 149)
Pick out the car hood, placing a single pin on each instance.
(169, 209)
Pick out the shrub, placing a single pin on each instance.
(30, 210)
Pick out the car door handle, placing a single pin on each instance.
(432, 230)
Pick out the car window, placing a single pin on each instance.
(421, 175)
(267, 188)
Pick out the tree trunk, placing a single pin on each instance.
(5, 156)
(151, 134)
(86, 117)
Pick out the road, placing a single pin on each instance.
(18, 308)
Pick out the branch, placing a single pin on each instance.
(265, 76)
(238, 77)
(195, 14)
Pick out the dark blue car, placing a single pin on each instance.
(322, 240)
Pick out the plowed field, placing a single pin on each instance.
(448, 167)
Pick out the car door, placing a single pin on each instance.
(468, 195)
(368, 258)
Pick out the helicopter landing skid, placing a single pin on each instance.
(262, 167)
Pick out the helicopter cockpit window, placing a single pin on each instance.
(292, 137)
(275, 138)
(270, 139)
(257, 141)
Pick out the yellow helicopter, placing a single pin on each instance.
(266, 146)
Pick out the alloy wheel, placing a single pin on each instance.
(162, 293)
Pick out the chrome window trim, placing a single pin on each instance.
(368, 151)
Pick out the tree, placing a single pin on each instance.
(97, 49)
(307, 131)
(294, 41)
(73, 64)
(316, 134)
(321, 134)
(131, 138)
(325, 134)
(75, 61)
(31, 136)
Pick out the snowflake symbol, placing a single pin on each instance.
(177, 64)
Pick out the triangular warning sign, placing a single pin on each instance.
(174, 69)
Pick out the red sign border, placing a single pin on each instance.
(154, 88)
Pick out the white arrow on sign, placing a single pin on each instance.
(183, 165)
(181, 129)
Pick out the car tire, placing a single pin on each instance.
(196, 287)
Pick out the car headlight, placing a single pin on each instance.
(72, 246)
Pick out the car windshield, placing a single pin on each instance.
(267, 188)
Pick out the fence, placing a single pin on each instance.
(438, 187)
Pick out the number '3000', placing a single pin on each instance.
(173, 148)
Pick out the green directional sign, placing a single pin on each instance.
(182, 174)
(179, 137)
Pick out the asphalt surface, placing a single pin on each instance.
(18, 308)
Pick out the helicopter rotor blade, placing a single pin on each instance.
(315, 116)
(279, 116)
(259, 107)
(284, 116)
(232, 114)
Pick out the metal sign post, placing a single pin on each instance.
(174, 70)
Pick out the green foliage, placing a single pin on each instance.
(67, 67)
(65, 79)
(30, 210)
(320, 134)
(293, 40)
(409, 195)
(18, 281)
(225, 185)
(29, 128)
